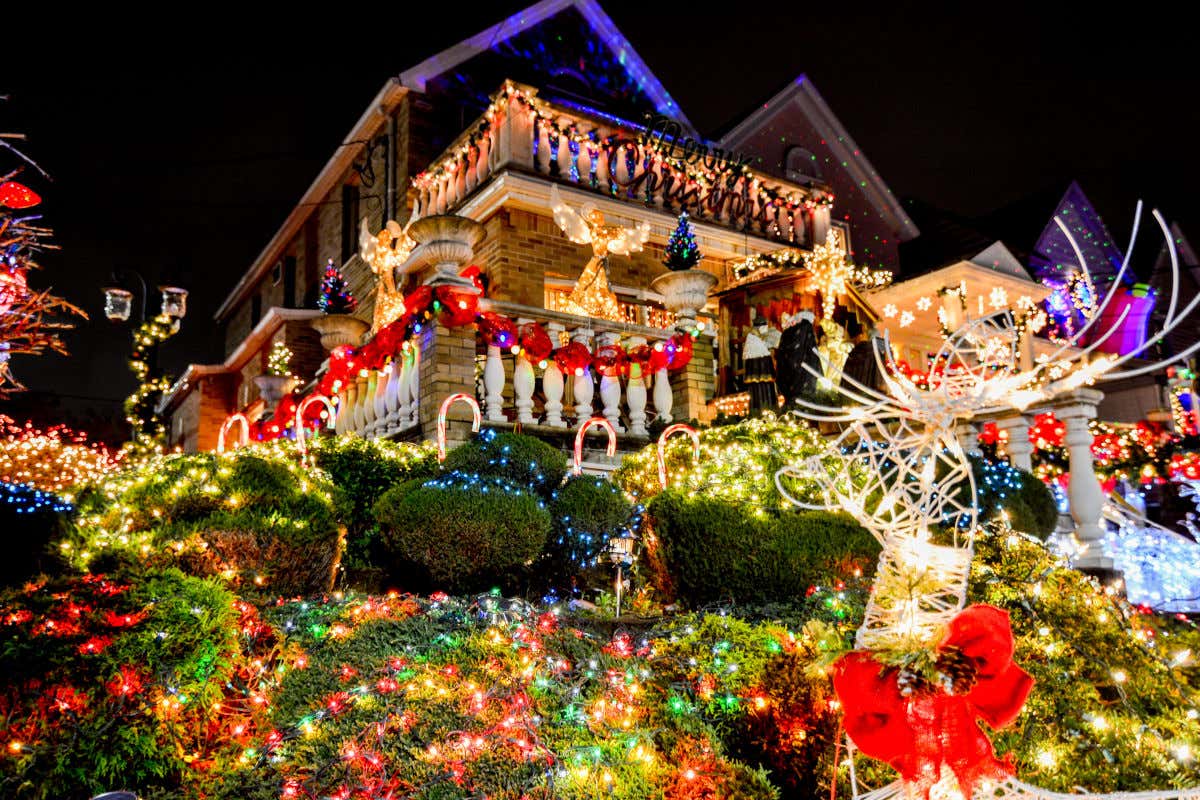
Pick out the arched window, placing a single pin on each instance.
(800, 166)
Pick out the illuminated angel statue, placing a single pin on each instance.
(899, 467)
(383, 252)
(592, 296)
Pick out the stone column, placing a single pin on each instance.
(1076, 410)
(445, 364)
(610, 387)
(1020, 449)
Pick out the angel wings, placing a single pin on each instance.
(587, 227)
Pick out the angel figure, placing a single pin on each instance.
(592, 296)
(383, 252)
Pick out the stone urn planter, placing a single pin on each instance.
(445, 242)
(273, 388)
(684, 292)
(339, 329)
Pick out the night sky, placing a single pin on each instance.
(178, 152)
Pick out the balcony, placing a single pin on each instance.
(403, 399)
(521, 133)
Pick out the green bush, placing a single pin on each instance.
(523, 460)
(1029, 503)
(363, 469)
(30, 519)
(712, 550)
(250, 516)
(587, 512)
(465, 531)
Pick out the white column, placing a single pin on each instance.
(381, 384)
(968, 436)
(663, 396)
(358, 422)
(368, 401)
(1083, 491)
(610, 387)
(523, 382)
(635, 393)
(414, 386)
(552, 384)
(1020, 449)
(582, 388)
(392, 398)
(345, 407)
(493, 385)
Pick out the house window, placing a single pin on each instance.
(349, 216)
(289, 282)
(255, 309)
(800, 166)
(277, 273)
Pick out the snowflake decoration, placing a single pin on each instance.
(924, 304)
(890, 310)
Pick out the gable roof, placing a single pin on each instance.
(1053, 256)
(998, 257)
(524, 20)
(802, 93)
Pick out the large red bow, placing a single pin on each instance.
(923, 732)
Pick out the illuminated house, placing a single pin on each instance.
(549, 103)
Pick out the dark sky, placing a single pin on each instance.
(178, 149)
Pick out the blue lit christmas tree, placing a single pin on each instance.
(335, 294)
(682, 252)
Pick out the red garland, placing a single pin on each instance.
(610, 360)
(535, 342)
(921, 733)
(457, 307)
(499, 330)
(573, 358)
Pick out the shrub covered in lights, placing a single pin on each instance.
(147, 684)
(1024, 498)
(587, 512)
(54, 460)
(30, 520)
(522, 460)
(737, 463)
(708, 550)
(363, 469)
(252, 516)
(466, 531)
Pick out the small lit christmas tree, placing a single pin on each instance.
(682, 252)
(279, 360)
(335, 294)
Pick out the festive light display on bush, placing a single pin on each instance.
(335, 295)
(148, 431)
(279, 360)
(26, 499)
(56, 459)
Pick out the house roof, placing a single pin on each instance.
(523, 20)
(802, 93)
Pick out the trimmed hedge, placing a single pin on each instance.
(465, 531)
(1029, 503)
(713, 551)
(523, 460)
(251, 517)
(587, 512)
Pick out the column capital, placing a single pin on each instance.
(1077, 403)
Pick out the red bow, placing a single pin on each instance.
(923, 732)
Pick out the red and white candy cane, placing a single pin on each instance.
(243, 440)
(667, 433)
(594, 422)
(330, 413)
(476, 419)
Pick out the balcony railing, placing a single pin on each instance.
(512, 389)
(523, 133)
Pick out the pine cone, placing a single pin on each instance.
(959, 672)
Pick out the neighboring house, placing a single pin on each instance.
(483, 130)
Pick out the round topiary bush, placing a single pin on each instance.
(1027, 501)
(587, 512)
(363, 469)
(31, 519)
(523, 460)
(711, 550)
(466, 531)
(253, 517)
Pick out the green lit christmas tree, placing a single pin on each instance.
(682, 252)
(335, 293)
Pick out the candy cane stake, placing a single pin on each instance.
(243, 440)
(476, 419)
(331, 412)
(594, 422)
(667, 433)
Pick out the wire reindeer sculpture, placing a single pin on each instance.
(899, 468)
